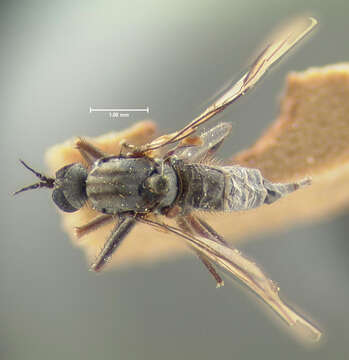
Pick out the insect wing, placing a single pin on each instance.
(250, 275)
(278, 45)
(253, 277)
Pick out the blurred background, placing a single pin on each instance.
(58, 59)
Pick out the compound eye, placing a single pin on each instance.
(69, 193)
(60, 174)
(61, 201)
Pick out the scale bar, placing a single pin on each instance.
(119, 110)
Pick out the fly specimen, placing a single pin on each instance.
(172, 177)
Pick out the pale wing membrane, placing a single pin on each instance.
(279, 45)
(250, 275)
(211, 141)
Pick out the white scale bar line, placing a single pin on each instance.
(120, 110)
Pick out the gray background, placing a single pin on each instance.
(57, 59)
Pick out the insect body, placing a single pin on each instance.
(117, 185)
(148, 186)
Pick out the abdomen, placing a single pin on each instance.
(227, 188)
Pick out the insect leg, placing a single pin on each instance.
(88, 151)
(185, 223)
(120, 231)
(93, 225)
(203, 229)
(210, 268)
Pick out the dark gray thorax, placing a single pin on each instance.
(116, 185)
